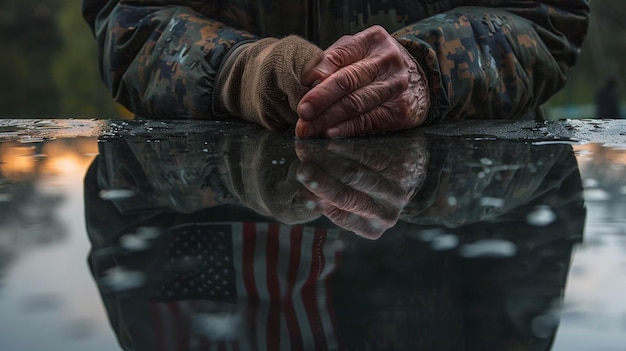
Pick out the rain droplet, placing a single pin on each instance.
(491, 202)
(217, 326)
(544, 326)
(444, 242)
(132, 242)
(114, 194)
(429, 234)
(452, 201)
(148, 233)
(119, 279)
(489, 248)
(590, 183)
(486, 161)
(596, 195)
(541, 216)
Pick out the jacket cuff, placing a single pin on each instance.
(223, 73)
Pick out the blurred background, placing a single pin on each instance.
(49, 68)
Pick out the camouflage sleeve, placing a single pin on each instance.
(160, 59)
(501, 59)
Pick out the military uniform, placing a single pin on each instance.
(483, 59)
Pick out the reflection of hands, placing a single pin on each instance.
(367, 83)
(357, 190)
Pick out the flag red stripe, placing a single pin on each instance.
(295, 333)
(273, 287)
(308, 290)
(158, 328)
(181, 327)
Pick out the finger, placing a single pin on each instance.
(378, 157)
(380, 119)
(360, 226)
(404, 166)
(326, 188)
(386, 193)
(345, 51)
(348, 107)
(341, 83)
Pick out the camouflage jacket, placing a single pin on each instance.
(483, 58)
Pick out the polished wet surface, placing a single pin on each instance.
(188, 235)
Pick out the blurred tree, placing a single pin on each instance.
(602, 55)
(75, 69)
(30, 38)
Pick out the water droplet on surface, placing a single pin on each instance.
(120, 279)
(486, 161)
(452, 201)
(491, 202)
(217, 326)
(114, 194)
(280, 161)
(132, 242)
(541, 216)
(444, 242)
(148, 233)
(596, 194)
(6, 198)
(29, 140)
(428, 234)
(544, 326)
(489, 248)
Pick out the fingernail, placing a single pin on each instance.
(333, 132)
(304, 173)
(305, 111)
(304, 129)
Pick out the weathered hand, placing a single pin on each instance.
(359, 190)
(365, 83)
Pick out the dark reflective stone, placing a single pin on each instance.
(240, 238)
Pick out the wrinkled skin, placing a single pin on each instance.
(363, 192)
(365, 83)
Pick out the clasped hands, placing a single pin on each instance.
(363, 83)
(360, 189)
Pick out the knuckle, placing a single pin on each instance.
(376, 32)
(370, 69)
(338, 216)
(350, 201)
(385, 120)
(339, 56)
(392, 59)
(372, 232)
(347, 80)
(351, 104)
